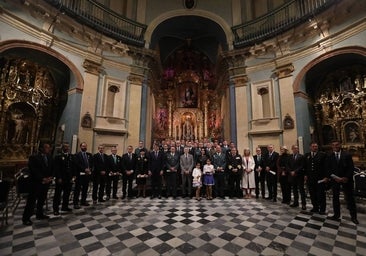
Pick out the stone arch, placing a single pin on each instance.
(9, 44)
(215, 18)
(300, 77)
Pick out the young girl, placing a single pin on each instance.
(197, 174)
(208, 171)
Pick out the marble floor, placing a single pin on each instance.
(186, 227)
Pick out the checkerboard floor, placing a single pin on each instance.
(164, 226)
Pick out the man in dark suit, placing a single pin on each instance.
(260, 174)
(340, 170)
(271, 172)
(84, 165)
(129, 161)
(234, 167)
(170, 172)
(156, 167)
(316, 177)
(219, 163)
(64, 177)
(41, 173)
(99, 174)
(296, 177)
(114, 172)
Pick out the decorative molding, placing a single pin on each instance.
(92, 67)
(110, 131)
(240, 81)
(288, 122)
(284, 70)
(86, 121)
(74, 90)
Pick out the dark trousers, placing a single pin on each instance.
(348, 195)
(127, 186)
(220, 184)
(285, 189)
(317, 196)
(81, 185)
(156, 184)
(64, 189)
(112, 186)
(298, 186)
(272, 185)
(38, 193)
(98, 187)
(171, 184)
(186, 184)
(234, 185)
(260, 180)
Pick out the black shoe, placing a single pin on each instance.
(27, 222)
(159, 196)
(314, 210)
(334, 217)
(107, 198)
(101, 200)
(56, 213)
(274, 200)
(354, 220)
(66, 209)
(115, 197)
(303, 207)
(42, 217)
(294, 205)
(123, 197)
(322, 213)
(85, 204)
(151, 197)
(76, 206)
(268, 198)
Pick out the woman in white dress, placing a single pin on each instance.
(248, 180)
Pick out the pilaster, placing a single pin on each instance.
(287, 103)
(89, 101)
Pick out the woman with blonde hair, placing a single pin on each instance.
(248, 180)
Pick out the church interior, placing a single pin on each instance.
(114, 73)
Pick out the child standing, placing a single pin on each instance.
(197, 174)
(208, 171)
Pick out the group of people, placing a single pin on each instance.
(209, 170)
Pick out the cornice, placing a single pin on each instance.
(77, 48)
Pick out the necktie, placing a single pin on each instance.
(114, 158)
(156, 154)
(259, 158)
(45, 160)
(130, 156)
(337, 156)
(85, 160)
(294, 157)
(101, 156)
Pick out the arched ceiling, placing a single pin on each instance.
(194, 32)
(319, 75)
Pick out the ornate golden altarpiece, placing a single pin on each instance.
(28, 110)
(340, 110)
(186, 104)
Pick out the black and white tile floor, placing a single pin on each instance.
(186, 227)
